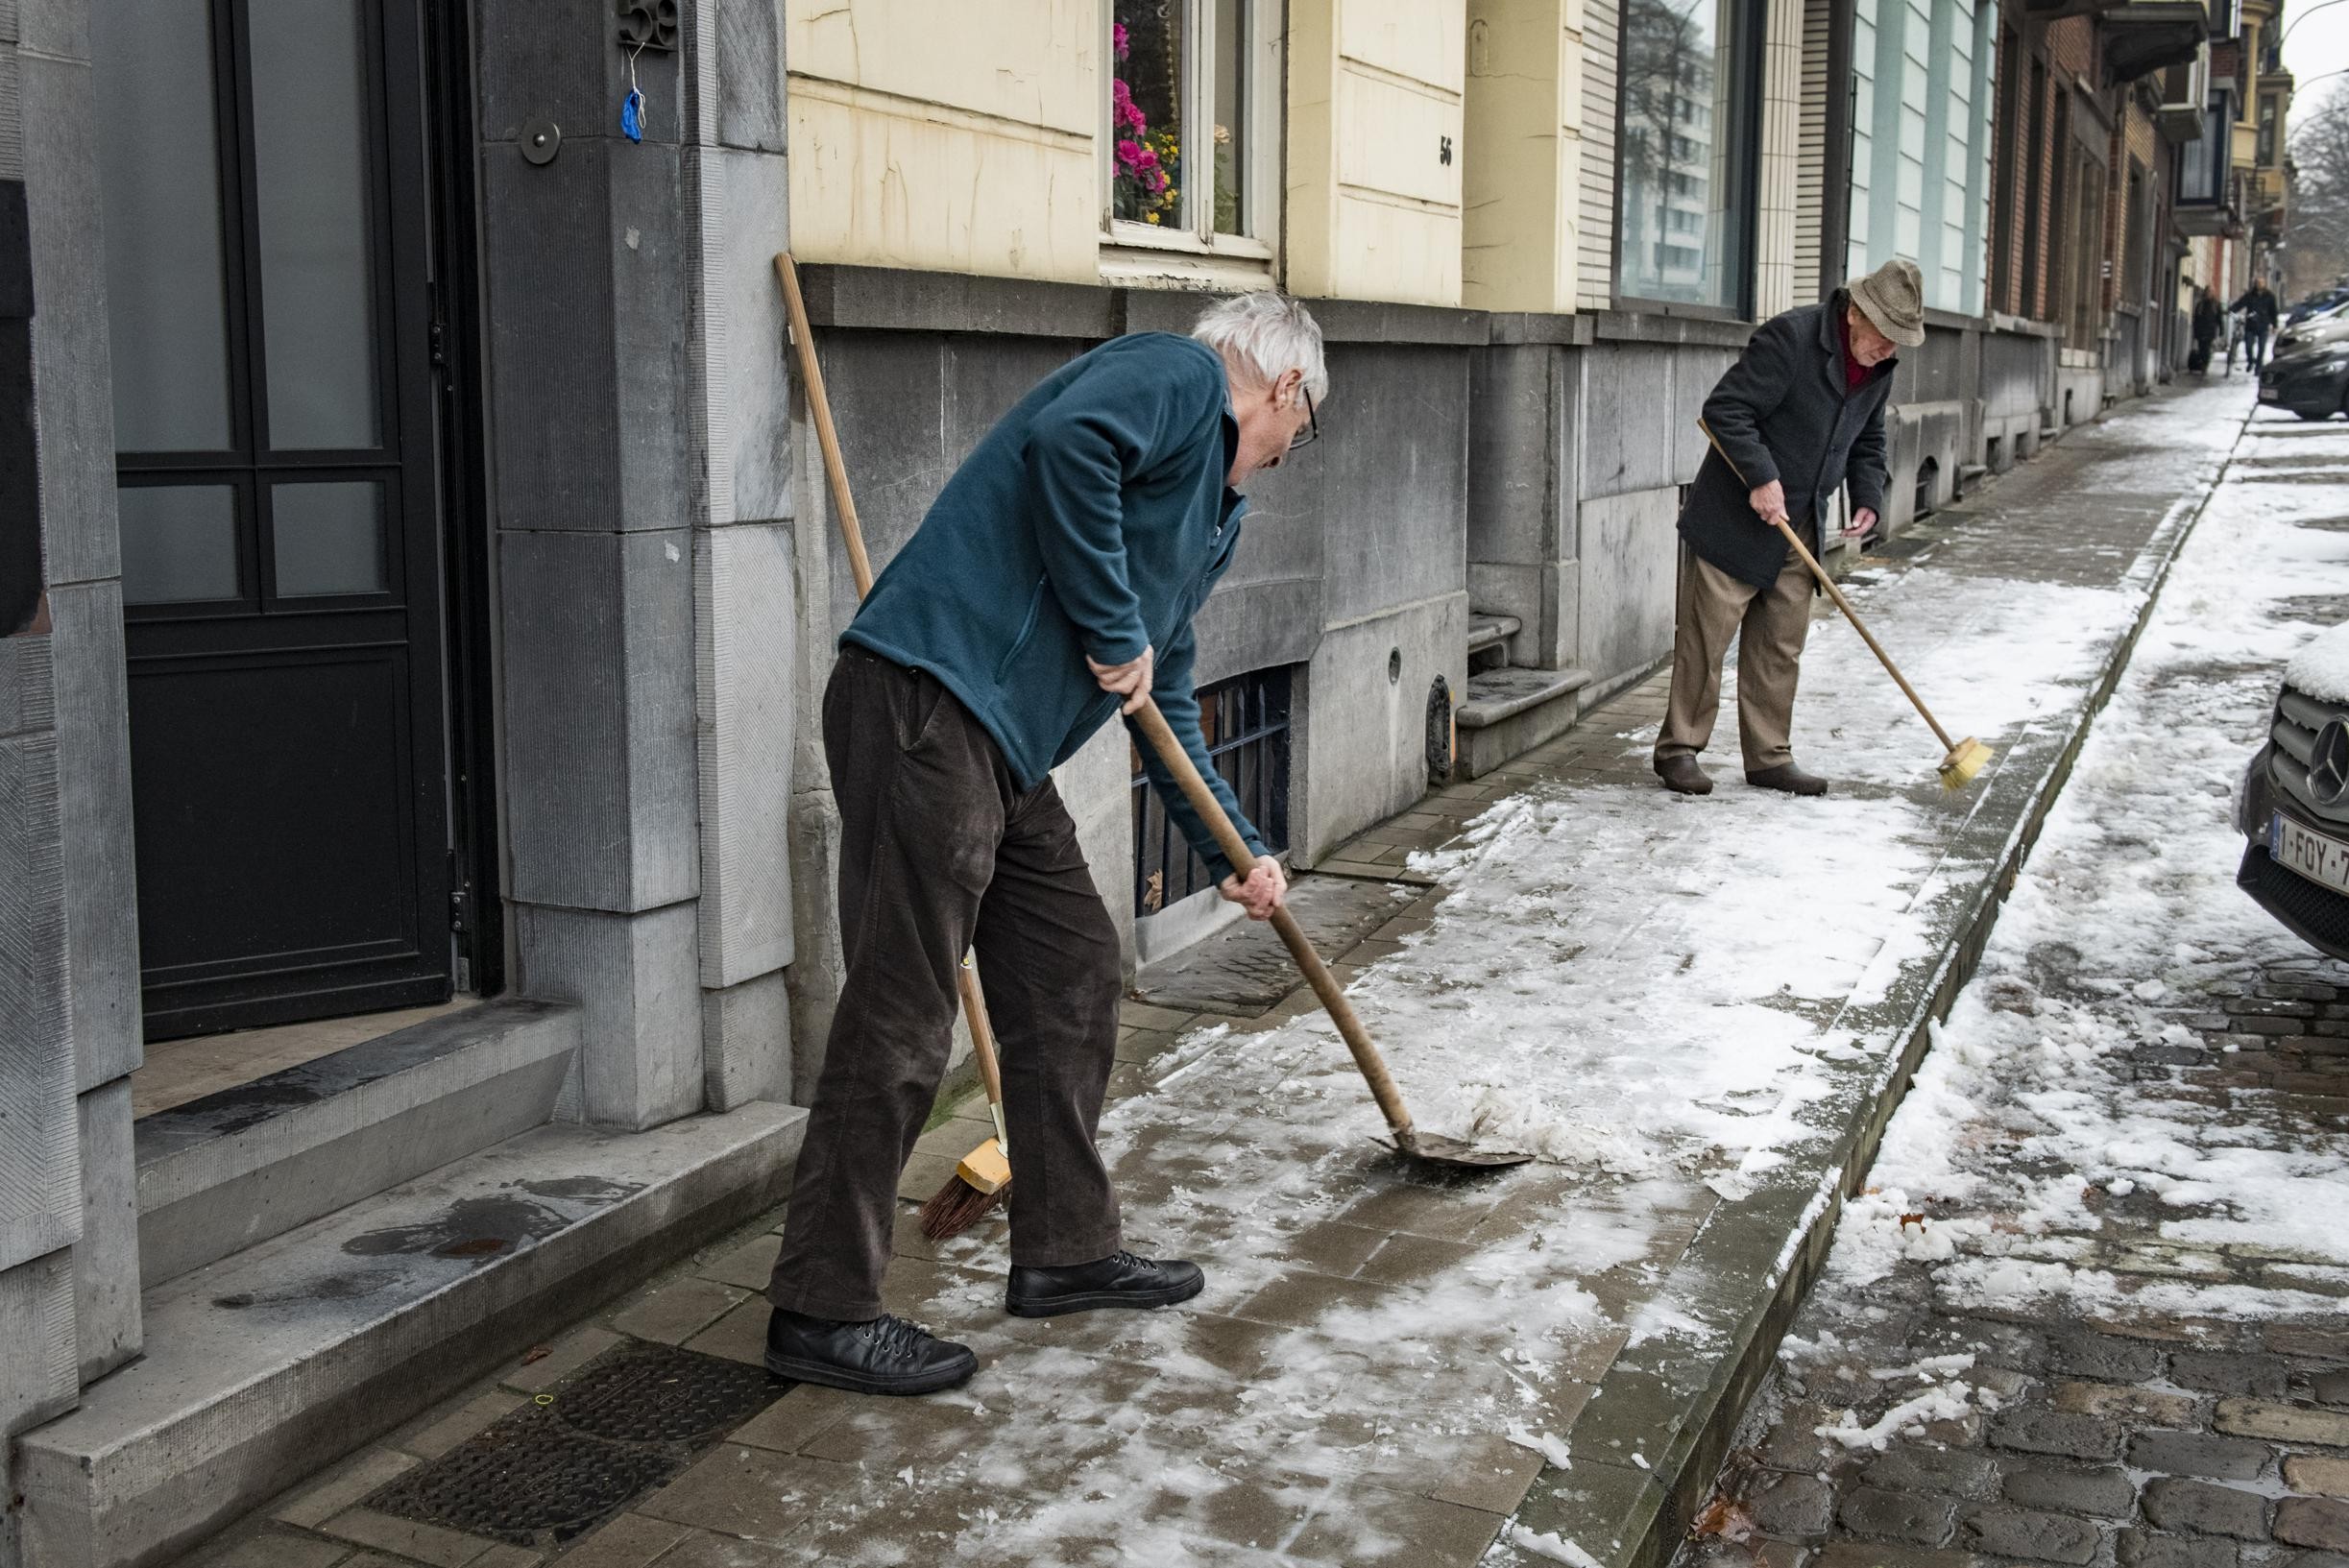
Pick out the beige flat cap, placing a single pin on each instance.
(1893, 297)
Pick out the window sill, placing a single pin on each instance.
(1184, 267)
(1122, 235)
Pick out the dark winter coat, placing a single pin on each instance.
(1782, 413)
(2259, 308)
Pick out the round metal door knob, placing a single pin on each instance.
(541, 139)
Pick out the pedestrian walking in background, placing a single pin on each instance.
(2259, 308)
(1053, 580)
(1801, 414)
(2208, 319)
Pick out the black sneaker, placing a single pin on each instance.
(1119, 1280)
(886, 1356)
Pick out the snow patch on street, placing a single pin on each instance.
(2029, 1112)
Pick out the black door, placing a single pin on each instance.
(268, 230)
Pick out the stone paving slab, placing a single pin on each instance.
(1348, 1391)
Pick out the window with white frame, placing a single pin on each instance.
(1190, 162)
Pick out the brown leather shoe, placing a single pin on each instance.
(1682, 777)
(1789, 777)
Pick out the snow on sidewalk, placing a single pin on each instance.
(1667, 998)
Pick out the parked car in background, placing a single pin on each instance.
(2316, 304)
(2293, 808)
(2309, 372)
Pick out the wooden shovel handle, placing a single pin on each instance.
(861, 565)
(1153, 725)
(1783, 526)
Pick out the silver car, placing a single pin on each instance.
(2294, 804)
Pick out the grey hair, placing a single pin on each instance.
(1264, 334)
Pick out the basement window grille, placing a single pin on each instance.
(1245, 723)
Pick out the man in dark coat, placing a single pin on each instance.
(2259, 308)
(1801, 414)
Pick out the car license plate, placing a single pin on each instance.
(2267, 395)
(2322, 860)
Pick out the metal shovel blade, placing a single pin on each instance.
(1435, 1147)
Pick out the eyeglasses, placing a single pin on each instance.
(1312, 424)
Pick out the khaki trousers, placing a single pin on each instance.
(1770, 625)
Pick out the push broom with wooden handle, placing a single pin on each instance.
(982, 1178)
(1966, 758)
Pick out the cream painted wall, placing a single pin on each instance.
(1375, 88)
(1522, 182)
(1775, 283)
(955, 137)
(1596, 275)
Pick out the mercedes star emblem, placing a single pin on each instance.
(2329, 765)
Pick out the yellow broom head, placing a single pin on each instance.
(1964, 763)
(986, 1167)
(980, 1182)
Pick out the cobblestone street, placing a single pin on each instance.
(2111, 1330)
(2152, 1440)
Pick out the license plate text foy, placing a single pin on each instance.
(2311, 855)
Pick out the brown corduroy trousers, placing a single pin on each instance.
(941, 853)
(1770, 625)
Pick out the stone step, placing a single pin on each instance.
(218, 1174)
(1504, 694)
(266, 1366)
(1487, 630)
(1513, 710)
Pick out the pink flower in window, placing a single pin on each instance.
(1124, 114)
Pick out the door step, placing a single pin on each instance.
(220, 1173)
(1513, 710)
(265, 1366)
(1487, 630)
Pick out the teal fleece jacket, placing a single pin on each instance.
(1090, 521)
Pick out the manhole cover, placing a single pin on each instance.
(621, 1426)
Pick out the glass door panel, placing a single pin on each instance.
(269, 223)
(328, 538)
(160, 194)
(179, 544)
(310, 116)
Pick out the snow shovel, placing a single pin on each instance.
(1966, 758)
(1433, 1148)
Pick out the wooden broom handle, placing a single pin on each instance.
(861, 565)
(811, 379)
(1153, 725)
(1783, 526)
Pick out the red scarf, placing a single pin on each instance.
(1853, 372)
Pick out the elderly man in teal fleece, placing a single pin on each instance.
(1052, 584)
